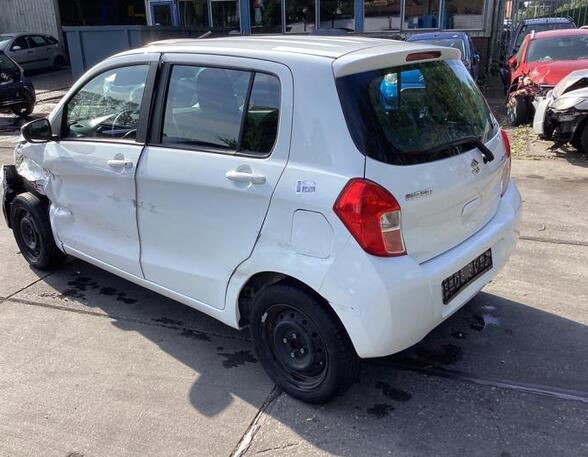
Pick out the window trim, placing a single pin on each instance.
(160, 102)
(144, 110)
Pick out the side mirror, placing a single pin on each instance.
(512, 61)
(38, 131)
(15, 48)
(476, 58)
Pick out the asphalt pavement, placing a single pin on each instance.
(92, 365)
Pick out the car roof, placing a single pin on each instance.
(559, 33)
(548, 20)
(278, 45)
(437, 35)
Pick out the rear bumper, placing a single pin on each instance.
(389, 304)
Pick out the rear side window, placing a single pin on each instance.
(405, 115)
(37, 41)
(261, 119)
(221, 110)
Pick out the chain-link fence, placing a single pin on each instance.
(577, 10)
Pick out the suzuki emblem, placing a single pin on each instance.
(475, 167)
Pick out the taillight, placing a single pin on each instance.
(506, 170)
(372, 215)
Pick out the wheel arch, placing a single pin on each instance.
(260, 281)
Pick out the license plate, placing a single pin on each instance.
(457, 281)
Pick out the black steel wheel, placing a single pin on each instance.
(301, 344)
(32, 232)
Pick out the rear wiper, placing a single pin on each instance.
(487, 154)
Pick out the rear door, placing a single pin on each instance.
(43, 51)
(406, 116)
(205, 180)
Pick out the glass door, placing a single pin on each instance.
(163, 13)
(225, 14)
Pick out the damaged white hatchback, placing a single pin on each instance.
(339, 196)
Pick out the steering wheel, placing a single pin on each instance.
(117, 118)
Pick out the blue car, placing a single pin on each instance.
(17, 93)
(458, 40)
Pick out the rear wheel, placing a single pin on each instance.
(518, 110)
(32, 231)
(302, 346)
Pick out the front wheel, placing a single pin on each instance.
(518, 110)
(23, 110)
(582, 143)
(301, 344)
(32, 231)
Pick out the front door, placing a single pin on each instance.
(93, 168)
(205, 183)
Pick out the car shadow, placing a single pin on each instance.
(490, 337)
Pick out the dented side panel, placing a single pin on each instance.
(93, 206)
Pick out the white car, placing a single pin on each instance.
(33, 51)
(340, 196)
(562, 114)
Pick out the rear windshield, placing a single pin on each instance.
(528, 28)
(558, 48)
(397, 114)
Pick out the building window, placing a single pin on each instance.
(266, 16)
(337, 14)
(300, 16)
(463, 14)
(225, 14)
(421, 14)
(382, 15)
(194, 13)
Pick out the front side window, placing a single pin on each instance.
(20, 43)
(421, 15)
(266, 16)
(463, 14)
(559, 48)
(382, 15)
(108, 106)
(404, 115)
(210, 109)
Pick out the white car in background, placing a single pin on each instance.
(340, 196)
(33, 51)
(562, 114)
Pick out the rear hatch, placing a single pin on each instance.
(429, 137)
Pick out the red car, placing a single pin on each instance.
(542, 61)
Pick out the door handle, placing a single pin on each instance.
(246, 177)
(120, 163)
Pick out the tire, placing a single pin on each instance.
(518, 110)
(59, 62)
(301, 344)
(33, 234)
(583, 139)
(23, 110)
